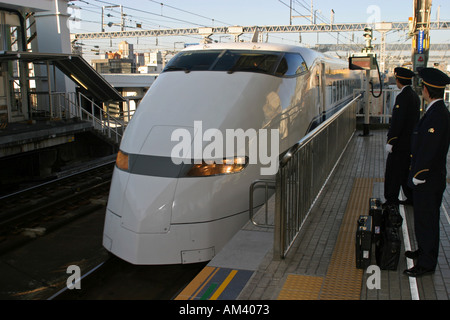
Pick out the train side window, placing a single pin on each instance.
(291, 64)
(333, 91)
(339, 89)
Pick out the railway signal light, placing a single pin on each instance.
(368, 33)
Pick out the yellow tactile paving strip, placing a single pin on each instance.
(300, 287)
(343, 280)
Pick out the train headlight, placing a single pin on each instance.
(122, 160)
(229, 165)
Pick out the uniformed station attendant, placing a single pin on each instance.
(405, 115)
(427, 177)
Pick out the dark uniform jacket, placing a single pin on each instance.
(405, 115)
(429, 147)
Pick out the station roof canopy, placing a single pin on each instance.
(73, 66)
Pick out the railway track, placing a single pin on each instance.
(116, 279)
(46, 228)
(33, 212)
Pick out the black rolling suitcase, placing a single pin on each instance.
(363, 243)
(387, 249)
(376, 212)
(392, 216)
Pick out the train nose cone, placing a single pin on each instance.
(147, 206)
(162, 139)
(150, 188)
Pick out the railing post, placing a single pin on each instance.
(60, 105)
(67, 105)
(109, 118)
(102, 125)
(128, 110)
(49, 82)
(278, 220)
(266, 183)
(92, 113)
(79, 106)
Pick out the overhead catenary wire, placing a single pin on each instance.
(192, 13)
(150, 21)
(88, 5)
(152, 13)
(319, 16)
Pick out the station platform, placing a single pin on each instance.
(19, 137)
(32, 152)
(321, 263)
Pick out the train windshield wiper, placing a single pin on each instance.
(246, 68)
(177, 68)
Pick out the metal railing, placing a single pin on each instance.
(303, 172)
(267, 184)
(64, 105)
(111, 126)
(380, 107)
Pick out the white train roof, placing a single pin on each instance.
(308, 55)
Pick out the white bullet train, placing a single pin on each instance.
(166, 205)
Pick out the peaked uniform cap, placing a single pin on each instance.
(403, 73)
(434, 77)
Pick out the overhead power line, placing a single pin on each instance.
(192, 13)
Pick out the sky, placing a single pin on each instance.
(164, 14)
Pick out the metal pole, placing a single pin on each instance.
(49, 84)
(78, 106)
(290, 13)
(103, 18)
(92, 113)
(367, 106)
(278, 232)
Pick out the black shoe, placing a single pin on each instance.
(417, 271)
(412, 254)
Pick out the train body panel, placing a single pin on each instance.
(184, 243)
(159, 212)
(200, 98)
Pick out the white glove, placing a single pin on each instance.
(417, 181)
(389, 148)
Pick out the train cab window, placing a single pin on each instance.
(268, 62)
(192, 60)
(251, 61)
(224, 60)
(291, 64)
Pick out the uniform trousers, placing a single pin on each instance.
(426, 226)
(396, 176)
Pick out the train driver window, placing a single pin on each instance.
(291, 64)
(248, 61)
(192, 60)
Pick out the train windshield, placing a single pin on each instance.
(273, 63)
